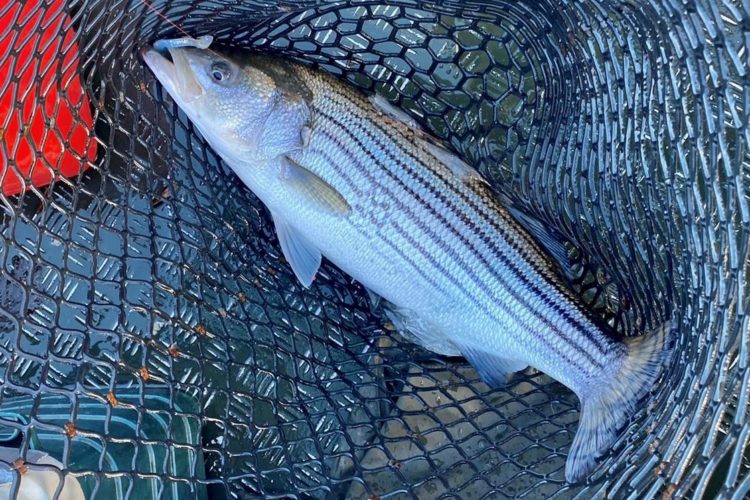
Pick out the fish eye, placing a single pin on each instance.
(220, 71)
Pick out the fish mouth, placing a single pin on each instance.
(174, 72)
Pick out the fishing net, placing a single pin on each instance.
(155, 343)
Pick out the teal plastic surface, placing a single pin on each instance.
(155, 458)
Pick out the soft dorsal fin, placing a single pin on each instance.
(460, 168)
(315, 190)
(302, 255)
(547, 237)
(382, 104)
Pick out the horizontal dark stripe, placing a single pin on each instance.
(427, 277)
(492, 214)
(450, 252)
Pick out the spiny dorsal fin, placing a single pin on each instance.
(460, 168)
(382, 104)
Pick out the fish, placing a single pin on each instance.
(355, 179)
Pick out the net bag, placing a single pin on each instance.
(153, 343)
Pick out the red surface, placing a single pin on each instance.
(45, 117)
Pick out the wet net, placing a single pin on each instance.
(155, 344)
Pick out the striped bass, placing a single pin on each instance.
(351, 178)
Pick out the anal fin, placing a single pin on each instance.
(375, 299)
(419, 331)
(493, 370)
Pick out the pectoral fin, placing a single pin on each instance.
(315, 190)
(303, 256)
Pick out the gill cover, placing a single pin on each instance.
(250, 109)
(254, 111)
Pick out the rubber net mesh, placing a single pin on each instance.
(154, 342)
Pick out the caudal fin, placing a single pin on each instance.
(604, 415)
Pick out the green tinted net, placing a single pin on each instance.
(154, 342)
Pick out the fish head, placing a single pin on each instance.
(242, 105)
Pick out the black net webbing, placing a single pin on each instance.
(154, 343)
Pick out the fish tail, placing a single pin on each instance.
(604, 414)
